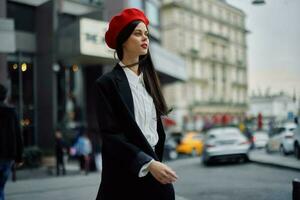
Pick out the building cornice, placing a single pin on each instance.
(181, 5)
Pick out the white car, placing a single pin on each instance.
(260, 139)
(225, 144)
(282, 139)
(297, 142)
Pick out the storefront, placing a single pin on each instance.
(52, 61)
(92, 58)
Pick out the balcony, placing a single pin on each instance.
(215, 59)
(240, 64)
(199, 80)
(239, 85)
(194, 53)
(217, 36)
(219, 103)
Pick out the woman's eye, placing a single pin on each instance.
(140, 34)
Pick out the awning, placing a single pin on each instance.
(168, 63)
(85, 44)
(168, 121)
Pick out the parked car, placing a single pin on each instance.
(260, 139)
(225, 144)
(297, 142)
(282, 139)
(191, 143)
(170, 152)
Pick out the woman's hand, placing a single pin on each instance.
(162, 172)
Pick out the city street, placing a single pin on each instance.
(219, 182)
(233, 181)
(127, 81)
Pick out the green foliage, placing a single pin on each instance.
(32, 157)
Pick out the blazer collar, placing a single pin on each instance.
(124, 88)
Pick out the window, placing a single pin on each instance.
(215, 27)
(220, 11)
(205, 25)
(24, 94)
(135, 4)
(224, 74)
(23, 15)
(152, 12)
(210, 9)
(196, 4)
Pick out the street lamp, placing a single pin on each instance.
(258, 2)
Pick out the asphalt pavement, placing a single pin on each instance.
(75, 186)
(274, 159)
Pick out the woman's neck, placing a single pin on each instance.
(131, 60)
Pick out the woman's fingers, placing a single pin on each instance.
(169, 176)
(162, 172)
(172, 174)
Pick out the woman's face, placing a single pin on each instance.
(138, 42)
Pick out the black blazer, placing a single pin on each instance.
(125, 149)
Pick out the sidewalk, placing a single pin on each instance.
(37, 184)
(274, 159)
(72, 168)
(257, 156)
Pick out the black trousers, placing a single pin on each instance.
(60, 165)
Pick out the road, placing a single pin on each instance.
(196, 182)
(233, 181)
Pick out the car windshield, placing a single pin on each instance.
(261, 135)
(223, 133)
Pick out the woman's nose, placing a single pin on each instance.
(145, 37)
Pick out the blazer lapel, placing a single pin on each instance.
(124, 88)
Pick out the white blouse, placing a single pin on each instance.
(144, 111)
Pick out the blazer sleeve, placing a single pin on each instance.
(115, 143)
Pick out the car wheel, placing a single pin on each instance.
(206, 162)
(282, 150)
(268, 151)
(297, 151)
(240, 159)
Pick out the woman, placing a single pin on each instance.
(129, 105)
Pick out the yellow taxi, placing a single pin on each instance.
(191, 143)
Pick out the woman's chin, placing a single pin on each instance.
(143, 53)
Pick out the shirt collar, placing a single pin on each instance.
(132, 77)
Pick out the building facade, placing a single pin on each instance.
(211, 36)
(278, 107)
(52, 53)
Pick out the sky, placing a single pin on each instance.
(273, 45)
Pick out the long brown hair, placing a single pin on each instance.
(151, 80)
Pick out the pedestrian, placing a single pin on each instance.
(60, 151)
(129, 108)
(96, 144)
(11, 142)
(83, 148)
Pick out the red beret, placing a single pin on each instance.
(120, 21)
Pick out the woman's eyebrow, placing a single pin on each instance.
(141, 30)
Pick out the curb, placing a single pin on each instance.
(276, 165)
(180, 198)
